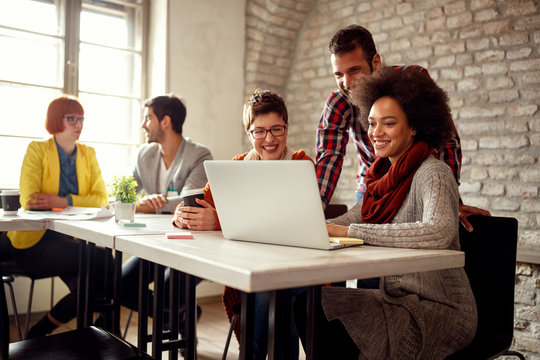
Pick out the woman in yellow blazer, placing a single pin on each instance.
(57, 173)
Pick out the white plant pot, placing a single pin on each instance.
(124, 211)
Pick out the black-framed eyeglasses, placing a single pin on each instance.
(72, 119)
(260, 133)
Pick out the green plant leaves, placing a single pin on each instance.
(124, 188)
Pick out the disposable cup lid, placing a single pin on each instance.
(191, 192)
(11, 192)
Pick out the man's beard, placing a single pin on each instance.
(155, 137)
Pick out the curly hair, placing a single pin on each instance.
(263, 102)
(422, 100)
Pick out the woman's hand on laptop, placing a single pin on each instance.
(195, 218)
(337, 230)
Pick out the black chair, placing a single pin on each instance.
(90, 343)
(9, 271)
(490, 263)
(334, 210)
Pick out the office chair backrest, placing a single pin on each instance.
(490, 263)
(4, 323)
(334, 210)
(6, 252)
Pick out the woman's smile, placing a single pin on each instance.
(270, 147)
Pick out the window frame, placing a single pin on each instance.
(69, 11)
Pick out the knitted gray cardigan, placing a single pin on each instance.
(425, 315)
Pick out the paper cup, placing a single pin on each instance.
(10, 201)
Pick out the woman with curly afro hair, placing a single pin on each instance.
(411, 202)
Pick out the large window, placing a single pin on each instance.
(89, 48)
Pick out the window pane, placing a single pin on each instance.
(24, 109)
(104, 29)
(11, 165)
(110, 119)
(39, 16)
(115, 160)
(109, 71)
(33, 59)
(111, 24)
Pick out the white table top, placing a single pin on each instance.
(255, 267)
(16, 222)
(104, 231)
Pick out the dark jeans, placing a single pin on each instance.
(260, 336)
(334, 341)
(130, 285)
(58, 255)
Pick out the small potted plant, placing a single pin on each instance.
(124, 189)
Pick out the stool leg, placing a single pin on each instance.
(15, 312)
(29, 308)
(231, 329)
(127, 324)
(52, 292)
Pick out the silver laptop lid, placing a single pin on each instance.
(275, 202)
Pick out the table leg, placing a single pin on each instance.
(157, 312)
(81, 285)
(142, 331)
(117, 290)
(314, 312)
(174, 286)
(248, 321)
(279, 328)
(190, 330)
(90, 284)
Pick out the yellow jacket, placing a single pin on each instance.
(40, 173)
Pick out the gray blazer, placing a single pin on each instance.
(188, 171)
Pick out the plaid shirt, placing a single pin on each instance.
(341, 120)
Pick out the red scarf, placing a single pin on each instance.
(388, 184)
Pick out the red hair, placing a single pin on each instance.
(65, 104)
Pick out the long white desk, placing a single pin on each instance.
(252, 267)
(13, 223)
(246, 266)
(103, 232)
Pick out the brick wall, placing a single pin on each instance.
(484, 53)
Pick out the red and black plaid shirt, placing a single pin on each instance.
(340, 120)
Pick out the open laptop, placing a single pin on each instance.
(274, 202)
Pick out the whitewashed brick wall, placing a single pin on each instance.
(484, 53)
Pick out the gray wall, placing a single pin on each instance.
(205, 66)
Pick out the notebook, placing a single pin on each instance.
(274, 202)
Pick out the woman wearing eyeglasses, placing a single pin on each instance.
(57, 173)
(266, 122)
